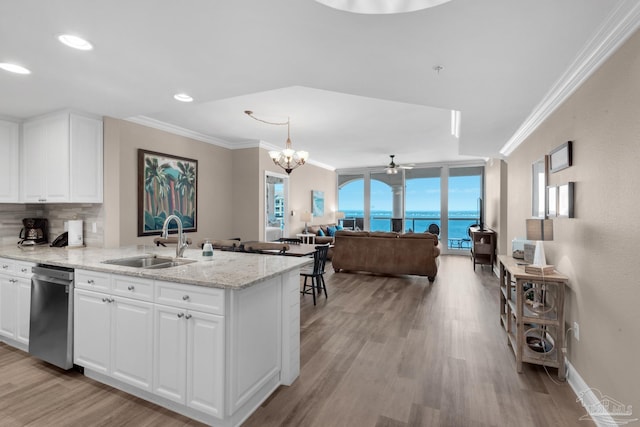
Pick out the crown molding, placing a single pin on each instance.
(177, 130)
(620, 24)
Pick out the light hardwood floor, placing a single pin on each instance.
(381, 351)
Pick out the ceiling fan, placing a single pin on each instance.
(393, 168)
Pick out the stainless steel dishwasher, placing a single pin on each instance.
(51, 319)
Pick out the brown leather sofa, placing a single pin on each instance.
(386, 253)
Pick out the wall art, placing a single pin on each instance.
(167, 185)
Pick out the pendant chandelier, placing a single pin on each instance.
(288, 159)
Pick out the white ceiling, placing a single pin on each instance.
(356, 87)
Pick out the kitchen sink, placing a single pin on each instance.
(172, 263)
(149, 261)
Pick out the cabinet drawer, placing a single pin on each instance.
(16, 268)
(23, 268)
(92, 280)
(208, 300)
(483, 248)
(132, 287)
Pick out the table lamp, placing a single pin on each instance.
(539, 229)
(306, 217)
(339, 216)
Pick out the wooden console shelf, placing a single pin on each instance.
(532, 314)
(483, 246)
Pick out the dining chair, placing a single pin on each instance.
(316, 273)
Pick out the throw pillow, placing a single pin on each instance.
(339, 227)
(331, 231)
(320, 232)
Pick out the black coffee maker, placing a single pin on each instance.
(35, 231)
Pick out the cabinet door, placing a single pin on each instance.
(170, 353)
(33, 171)
(23, 306)
(86, 159)
(131, 341)
(57, 159)
(205, 362)
(9, 162)
(45, 159)
(91, 330)
(8, 297)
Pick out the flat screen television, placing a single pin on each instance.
(480, 214)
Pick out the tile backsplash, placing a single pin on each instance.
(11, 216)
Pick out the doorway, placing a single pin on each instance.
(276, 193)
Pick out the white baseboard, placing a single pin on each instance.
(594, 402)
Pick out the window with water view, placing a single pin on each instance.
(412, 200)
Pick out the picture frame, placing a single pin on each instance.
(167, 185)
(317, 203)
(538, 186)
(565, 200)
(561, 157)
(552, 201)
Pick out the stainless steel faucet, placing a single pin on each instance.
(182, 240)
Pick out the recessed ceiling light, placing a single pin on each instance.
(381, 6)
(183, 97)
(13, 68)
(75, 42)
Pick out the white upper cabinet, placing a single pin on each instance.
(62, 159)
(9, 161)
(86, 159)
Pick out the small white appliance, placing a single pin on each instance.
(74, 229)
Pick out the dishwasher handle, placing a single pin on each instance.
(50, 280)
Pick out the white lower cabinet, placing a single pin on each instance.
(113, 336)
(15, 301)
(211, 354)
(189, 358)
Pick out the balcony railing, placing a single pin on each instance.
(457, 230)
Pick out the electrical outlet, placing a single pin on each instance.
(94, 227)
(576, 331)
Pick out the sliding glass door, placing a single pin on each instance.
(465, 191)
(422, 199)
(386, 202)
(351, 196)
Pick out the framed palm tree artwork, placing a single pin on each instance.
(166, 185)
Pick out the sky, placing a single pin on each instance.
(422, 194)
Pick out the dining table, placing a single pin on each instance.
(302, 249)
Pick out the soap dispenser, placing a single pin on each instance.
(207, 250)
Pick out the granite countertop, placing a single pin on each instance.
(229, 270)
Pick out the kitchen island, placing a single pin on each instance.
(211, 339)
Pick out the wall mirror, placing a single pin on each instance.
(276, 193)
(538, 188)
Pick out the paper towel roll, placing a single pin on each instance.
(75, 232)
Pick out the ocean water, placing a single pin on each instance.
(419, 221)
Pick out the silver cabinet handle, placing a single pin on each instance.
(5, 266)
(180, 315)
(188, 316)
(131, 287)
(13, 281)
(24, 270)
(91, 281)
(185, 298)
(105, 299)
(112, 300)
